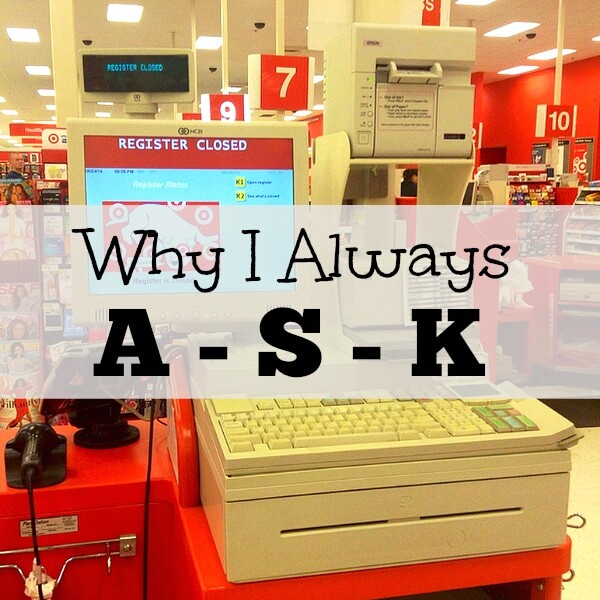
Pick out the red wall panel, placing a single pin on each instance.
(509, 108)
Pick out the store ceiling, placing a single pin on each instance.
(167, 23)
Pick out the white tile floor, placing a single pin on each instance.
(585, 499)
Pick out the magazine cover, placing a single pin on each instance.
(18, 412)
(15, 191)
(20, 352)
(17, 241)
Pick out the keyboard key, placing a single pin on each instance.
(231, 405)
(266, 404)
(436, 432)
(499, 425)
(529, 424)
(409, 434)
(515, 424)
(344, 440)
(241, 447)
(281, 444)
(483, 411)
(462, 430)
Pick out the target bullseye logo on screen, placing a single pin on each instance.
(53, 138)
(176, 205)
(181, 225)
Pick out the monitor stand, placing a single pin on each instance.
(101, 425)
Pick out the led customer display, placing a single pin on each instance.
(151, 73)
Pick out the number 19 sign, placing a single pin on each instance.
(556, 120)
(280, 82)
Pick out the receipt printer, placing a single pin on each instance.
(401, 90)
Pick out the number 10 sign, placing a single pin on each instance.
(280, 82)
(555, 120)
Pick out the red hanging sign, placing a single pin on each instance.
(28, 129)
(280, 82)
(432, 12)
(556, 120)
(223, 107)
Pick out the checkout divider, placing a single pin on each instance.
(105, 490)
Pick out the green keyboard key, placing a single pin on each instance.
(515, 424)
(529, 424)
(499, 424)
(484, 411)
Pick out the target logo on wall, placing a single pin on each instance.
(55, 139)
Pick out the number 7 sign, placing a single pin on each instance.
(280, 82)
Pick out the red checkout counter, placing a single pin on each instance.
(102, 498)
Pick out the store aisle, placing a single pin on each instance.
(585, 499)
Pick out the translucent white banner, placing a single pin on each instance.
(115, 301)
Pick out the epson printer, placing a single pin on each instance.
(401, 90)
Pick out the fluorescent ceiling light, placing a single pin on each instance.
(46, 92)
(2, 99)
(550, 54)
(102, 115)
(9, 111)
(232, 89)
(205, 42)
(318, 107)
(318, 78)
(124, 13)
(511, 29)
(38, 70)
(51, 106)
(105, 103)
(475, 2)
(18, 34)
(518, 70)
(596, 39)
(53, 118)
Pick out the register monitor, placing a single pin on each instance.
(401, 91)
(189, 182)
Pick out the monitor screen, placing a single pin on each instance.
(199, 188)
(474, 390)
(135, 73)
(161, 75)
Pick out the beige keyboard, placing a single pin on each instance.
(273, 434)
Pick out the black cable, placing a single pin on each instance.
(147, 502)
(29, 473)
(171, 352)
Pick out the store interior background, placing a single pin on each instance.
(505, 105)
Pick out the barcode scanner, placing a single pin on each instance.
(37, 455)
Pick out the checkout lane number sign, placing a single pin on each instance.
(280, 82)
(555, 120)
